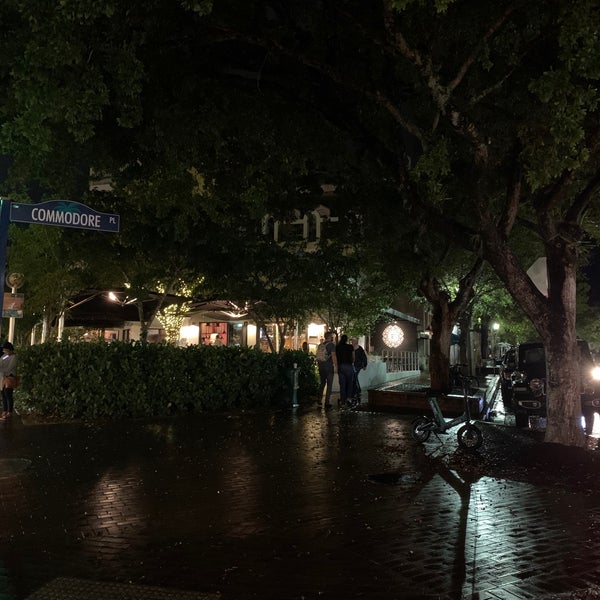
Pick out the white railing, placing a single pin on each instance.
(400, 360)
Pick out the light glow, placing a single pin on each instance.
(190, 333)
(393, 336)
(315, 330)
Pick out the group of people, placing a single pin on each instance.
(348, 359)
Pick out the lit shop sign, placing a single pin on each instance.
(64, 213)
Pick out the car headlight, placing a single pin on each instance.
(596, 373)
(536, 386)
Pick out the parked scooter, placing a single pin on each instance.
(469, 435)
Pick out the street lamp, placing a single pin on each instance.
(495, 328)
(114, 298)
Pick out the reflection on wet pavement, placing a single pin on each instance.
(309, 504)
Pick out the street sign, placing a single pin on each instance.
(538, 273)
(13, 305)
(64, 213)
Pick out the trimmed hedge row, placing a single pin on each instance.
(99, 380)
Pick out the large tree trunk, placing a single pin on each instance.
(144, 322)
(563, 372)
(554, 318)
(445, 313)
(563, 391)
(465, 338)
(442, 322)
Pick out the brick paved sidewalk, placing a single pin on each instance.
(304, 504)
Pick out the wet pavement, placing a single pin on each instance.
(303, 503)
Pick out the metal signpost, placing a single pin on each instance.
(60, 213)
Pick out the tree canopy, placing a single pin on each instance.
(475, 119)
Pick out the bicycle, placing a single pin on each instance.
(469, 435)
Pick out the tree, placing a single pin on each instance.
(482, 116)
(349, 292)
(492, 125)
(57, 264)
(446, 309)
(270, 282)
(493, 303)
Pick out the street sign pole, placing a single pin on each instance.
(11, 321)
(4, 221)
(61, 213)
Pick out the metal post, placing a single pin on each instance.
(61, 327)
(4, 222)
(11, 321)
(44, 328)
(295, 386)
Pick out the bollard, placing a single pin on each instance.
(295, 386)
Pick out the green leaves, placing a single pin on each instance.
(99, 380)
(441, 6)
(432, 168)
(201, 7)
(557, 144)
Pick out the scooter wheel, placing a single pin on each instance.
(469, 437)
(421, 429)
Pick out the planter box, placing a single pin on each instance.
(414, 401)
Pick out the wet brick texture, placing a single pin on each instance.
(296, 504)
(64, 588)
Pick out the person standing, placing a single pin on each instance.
(326, 362)
(360, 363)
(8, 368)
(345, 363)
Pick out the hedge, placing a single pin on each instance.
(120, 379)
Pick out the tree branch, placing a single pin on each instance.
(471, 58)
(583, 199)
(377, 96)
(509, 215)
(466, 287)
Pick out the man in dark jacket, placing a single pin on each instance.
(360, 362)
(345, 361)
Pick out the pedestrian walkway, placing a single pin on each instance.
(303, 503)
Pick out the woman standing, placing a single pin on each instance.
(8, 368)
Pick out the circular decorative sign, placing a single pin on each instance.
(15, 280)
(393, 336)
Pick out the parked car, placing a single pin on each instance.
(507, 366)
(529, 383)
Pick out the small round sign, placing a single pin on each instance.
(15, 280)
